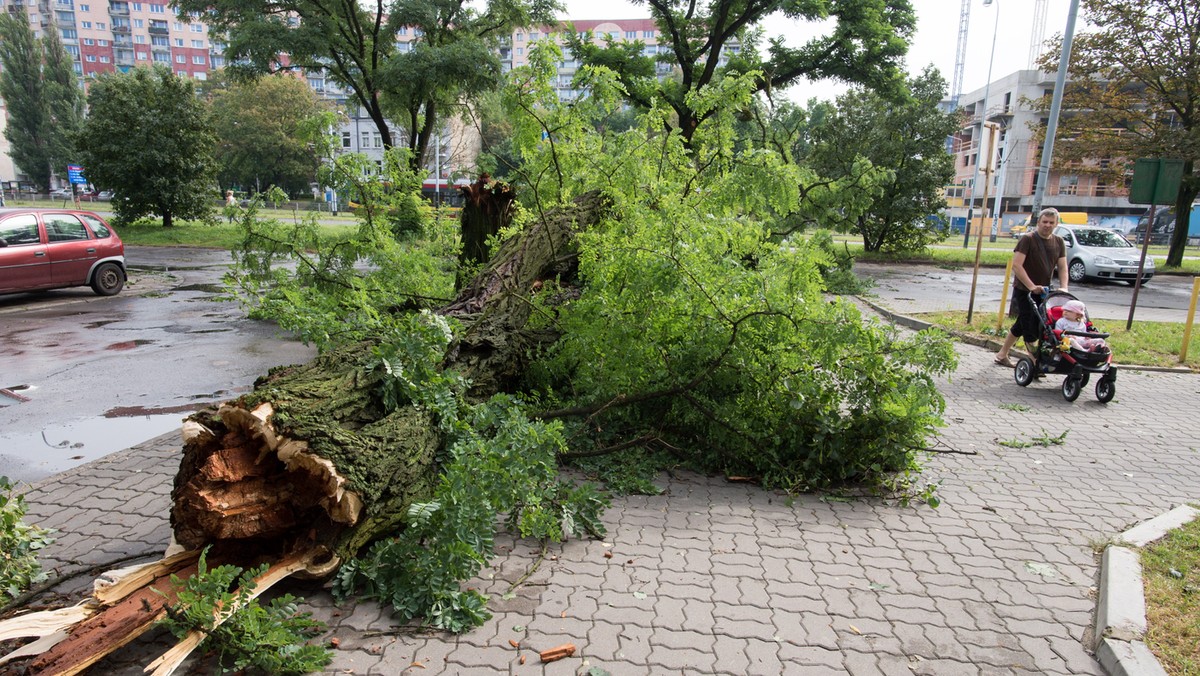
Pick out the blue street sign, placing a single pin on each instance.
(75, 174)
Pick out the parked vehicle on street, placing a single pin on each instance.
(1100, 253)
(1164, 226)
(62, 193)
(97, 196)
(44, 249)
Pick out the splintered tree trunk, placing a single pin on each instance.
(487, 208)
(310, 458)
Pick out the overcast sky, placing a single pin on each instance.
(935, 41)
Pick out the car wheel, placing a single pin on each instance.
(1071, 388)
(1105, 390)
(108, 280)
(1077, 271)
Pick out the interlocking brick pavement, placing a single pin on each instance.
(714, 577)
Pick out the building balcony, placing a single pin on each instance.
(124, 30)
(118, 10)
(159, 30)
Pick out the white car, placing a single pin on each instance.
(1100, 253)
(62, 193)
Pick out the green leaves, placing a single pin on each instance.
(270, 639)
(19, 543)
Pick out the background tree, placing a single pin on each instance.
(355, 45)
(908, 139)
(43, 99)
(1135, 92)
(64, 103)
(166, 167)
(866, 46)
(262, 132)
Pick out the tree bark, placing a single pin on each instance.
(310, 458)
(487, 208)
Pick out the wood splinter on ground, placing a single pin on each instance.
(564, 650)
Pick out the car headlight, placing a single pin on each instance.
(1104, 260)
(1149, 262)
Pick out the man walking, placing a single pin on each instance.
(1037, 255)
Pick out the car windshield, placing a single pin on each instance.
(1102, 238)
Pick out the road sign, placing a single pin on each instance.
(75, 174)
(1155, 181)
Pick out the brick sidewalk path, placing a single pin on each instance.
(713, 577)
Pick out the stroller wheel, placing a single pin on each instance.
(1105, 390)
(1071, 388)
(1086, 377)
(1023, 373)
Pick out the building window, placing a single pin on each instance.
(365, 141)
(178, 26)
(647, 34)
(197, 44)
(69, 34)
(139, 23)
(346, 139)
(197, 28)
(85, 24)
(141, 56)
(139, 39)
(533, 36)
(89, 41)
(162, 58)
(85, 8)
(630, 35)
(520, 37)
(178, 42)
(403, 30)
(104, 59)
(159, 41)
(158, 9)
(137, 6)
(180, 58)
(100, 25)
(520, 51)
(198, 60)
(102, 43)
(91, 59)
(1068, 185)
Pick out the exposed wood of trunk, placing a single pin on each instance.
(106, 631)
(310, 457)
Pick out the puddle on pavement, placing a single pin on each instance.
(56, 448)
(100, 324)
(128, 345)
(206, 288)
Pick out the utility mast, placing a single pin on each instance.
(960, 56)
(1038, 35)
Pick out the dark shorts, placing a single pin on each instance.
(1027, 326)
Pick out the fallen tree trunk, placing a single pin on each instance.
(311, 458)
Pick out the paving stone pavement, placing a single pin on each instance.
(713, 577)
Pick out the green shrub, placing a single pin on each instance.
(19, 543)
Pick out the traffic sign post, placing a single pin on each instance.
(1155, 182)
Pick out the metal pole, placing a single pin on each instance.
(1137, 283)
(1064, 59)
(979, 240)
(982, 122)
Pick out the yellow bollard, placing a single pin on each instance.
(1187, 327)
(1004, 295)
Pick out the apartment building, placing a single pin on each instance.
(1017, 156)
(105, 36)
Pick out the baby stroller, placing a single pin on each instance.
(1055, 353)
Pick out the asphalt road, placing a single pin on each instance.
(100, 374)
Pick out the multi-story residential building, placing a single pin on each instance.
(105, 36)
(1016, 158)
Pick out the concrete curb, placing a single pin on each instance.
(920, 325)
(1121, 607)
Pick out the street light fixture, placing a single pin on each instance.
(979, 142)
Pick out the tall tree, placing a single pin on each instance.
(64, 102)
(149, 138)
(907, 139)
(263, 131)
(866, 45)
(356, 45)
(45, 104)
(1135, 92)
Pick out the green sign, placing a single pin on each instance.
(1155, 181)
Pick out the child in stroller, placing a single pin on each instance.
(1068, 350)
(1073, 325)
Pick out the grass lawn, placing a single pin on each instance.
(1147, 344)
(1171, 577)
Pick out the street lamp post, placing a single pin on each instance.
(979, 144)
(1039, 189)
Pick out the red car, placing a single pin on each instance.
(56, 248)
